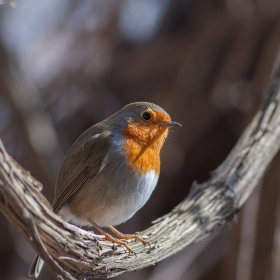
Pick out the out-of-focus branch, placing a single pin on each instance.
(74, 253)
(13, 3)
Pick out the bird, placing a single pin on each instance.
(110, 171)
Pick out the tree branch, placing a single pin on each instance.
(73, 253)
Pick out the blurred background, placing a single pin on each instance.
(66, 65)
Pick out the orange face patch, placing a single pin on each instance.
(156, 117)
(144, 140)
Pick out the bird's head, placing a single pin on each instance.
(144, 122)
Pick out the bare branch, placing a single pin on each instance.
(73, 253)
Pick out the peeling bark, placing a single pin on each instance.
(73, 253)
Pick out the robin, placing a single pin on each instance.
(110, 171)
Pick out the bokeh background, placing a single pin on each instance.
(65, 65)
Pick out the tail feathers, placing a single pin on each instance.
(36, 267)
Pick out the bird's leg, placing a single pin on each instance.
(127, 236)
(110, 238)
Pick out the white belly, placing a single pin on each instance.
(121, 212)
(125, 207)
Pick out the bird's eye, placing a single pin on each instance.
(146, 116)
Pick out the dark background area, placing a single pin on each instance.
(66, 65)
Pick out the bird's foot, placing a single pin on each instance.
(110, 238)
(128, 236)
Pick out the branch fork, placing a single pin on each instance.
(73, 253)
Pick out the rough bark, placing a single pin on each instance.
(73, 253)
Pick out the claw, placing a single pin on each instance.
(110, 238)
(127, 236)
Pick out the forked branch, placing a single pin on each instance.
(74, 253)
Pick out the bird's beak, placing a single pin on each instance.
(170, 123)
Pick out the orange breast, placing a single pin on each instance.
(143, 145)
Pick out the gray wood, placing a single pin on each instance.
(74, 253)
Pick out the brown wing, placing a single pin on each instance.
(87, 154)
